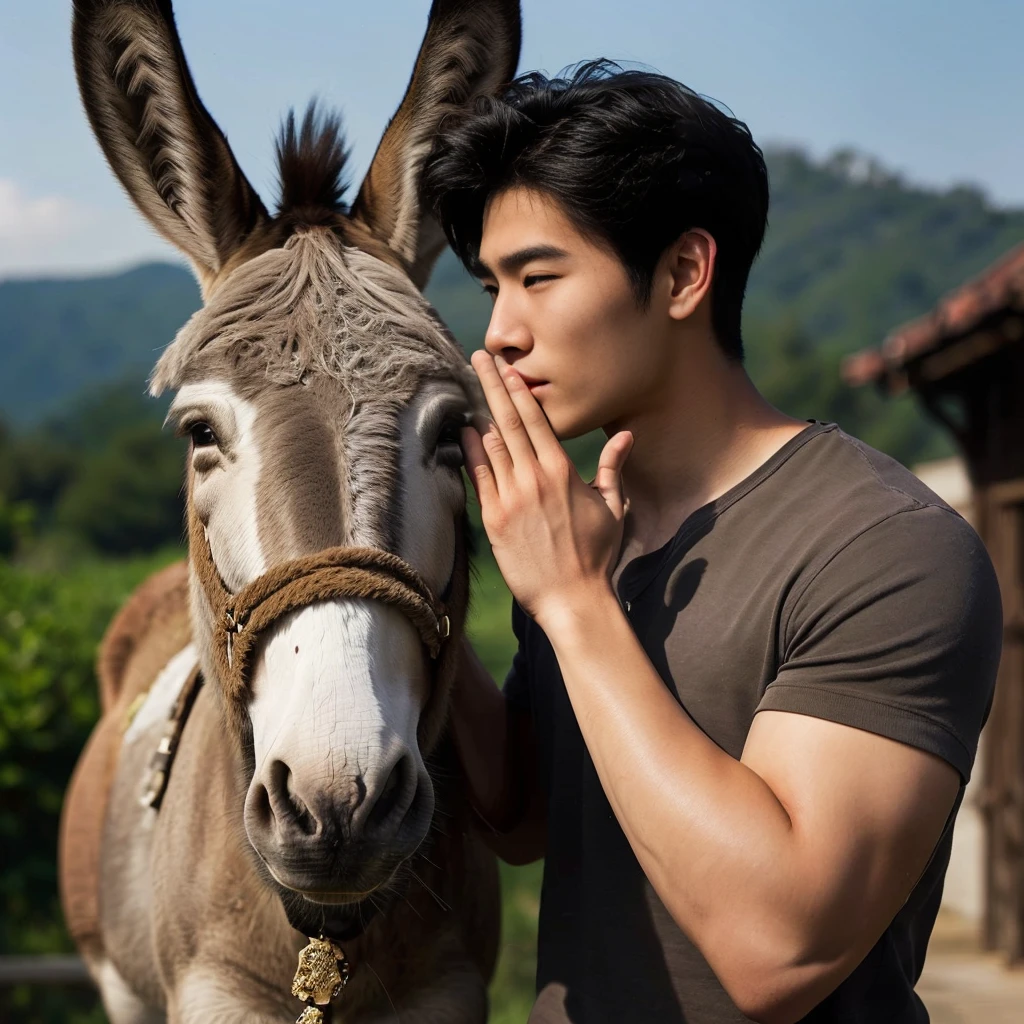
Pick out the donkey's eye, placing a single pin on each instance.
(202, 435)
(449, 447)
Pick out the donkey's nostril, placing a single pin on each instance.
(393, 792)
(259, 806)
(289, 803)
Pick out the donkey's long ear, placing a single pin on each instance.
(157, 136)
(471, 49)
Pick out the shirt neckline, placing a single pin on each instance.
(643, 569)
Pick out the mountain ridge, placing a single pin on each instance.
(852, 250)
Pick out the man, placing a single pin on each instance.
(755, 655)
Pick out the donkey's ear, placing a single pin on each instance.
(158, 137)
(471, 49)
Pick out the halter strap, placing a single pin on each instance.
(339, 572)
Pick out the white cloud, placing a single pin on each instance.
(29, 221)
(52, 234)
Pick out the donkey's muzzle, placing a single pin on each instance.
(340, 572)
(336, 843)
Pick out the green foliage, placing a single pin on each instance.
(16, 518)
(103, 476)
(804, 380)
(490, 631)
(128, 498)
(50, 624)
(852, 250)
(513, 987)
(38, 1004)
(96, 414)
(59, 337)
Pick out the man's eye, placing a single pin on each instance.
(533, 279)
(449, 444)
(202, 435)
(491, 290)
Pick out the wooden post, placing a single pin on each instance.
(991, 437)
(1003, 802)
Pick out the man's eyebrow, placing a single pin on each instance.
(514, 261)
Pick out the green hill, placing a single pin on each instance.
(59, 337)
(851, 251)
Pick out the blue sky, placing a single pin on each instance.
(933, 88)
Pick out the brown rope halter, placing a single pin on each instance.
(340, 572)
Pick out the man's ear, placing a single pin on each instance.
(690, 265)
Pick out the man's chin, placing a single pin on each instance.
(565, 428)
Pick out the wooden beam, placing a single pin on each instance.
(43, 970)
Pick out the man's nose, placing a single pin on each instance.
(507, 331)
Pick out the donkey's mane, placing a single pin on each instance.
(317, 306)
(311, 164)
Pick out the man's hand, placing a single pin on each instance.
(555, 537)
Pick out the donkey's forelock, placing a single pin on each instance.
(316, 306)
(310, 168)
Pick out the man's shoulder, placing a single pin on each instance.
(837, 494)
(860, 484)
(891, 616)
(869, 518)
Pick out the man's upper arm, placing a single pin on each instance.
(873, 719)
(868, 812)
(898, 634)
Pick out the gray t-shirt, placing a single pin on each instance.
(831, 582)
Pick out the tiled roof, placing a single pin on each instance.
(999, 287)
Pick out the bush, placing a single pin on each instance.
(50, 625)
(128, 498)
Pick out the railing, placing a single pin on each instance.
(43, 970)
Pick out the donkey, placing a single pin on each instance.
(314, 791)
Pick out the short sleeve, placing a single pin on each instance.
(517, 683)
(899, 633)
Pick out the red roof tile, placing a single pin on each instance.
(999, 287)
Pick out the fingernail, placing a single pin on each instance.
(500, 361)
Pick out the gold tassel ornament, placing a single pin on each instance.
(322, 973)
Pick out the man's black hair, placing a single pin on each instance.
(633, 158)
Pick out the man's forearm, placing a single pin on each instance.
(480, 727)
(718, 830)
(499, 771)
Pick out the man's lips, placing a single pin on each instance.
(528, 379)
